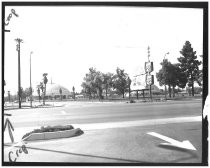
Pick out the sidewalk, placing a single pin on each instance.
(13, 106)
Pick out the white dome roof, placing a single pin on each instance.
(54, 89)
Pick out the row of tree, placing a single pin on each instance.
(41, 88)
(25, 94)
(96, 83)
(186, 71)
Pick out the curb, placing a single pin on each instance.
(53, 135)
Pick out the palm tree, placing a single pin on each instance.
(45, 80)
(38, 91)
(73, 89)
(60, 90)
(42, 89)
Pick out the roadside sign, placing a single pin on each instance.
(148, 67)
(149, 79)
(138, 83)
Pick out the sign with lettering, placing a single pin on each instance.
(149, 79)
(138, 82)
(148, 67)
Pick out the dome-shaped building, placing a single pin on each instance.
(55, 91)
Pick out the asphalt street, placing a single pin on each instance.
(114, 132)
(85, 112)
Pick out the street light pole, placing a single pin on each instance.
(165, 84)
(30, 81)
(18, 40)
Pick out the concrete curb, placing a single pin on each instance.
(53, 135)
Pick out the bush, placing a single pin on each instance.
(79, 132)
(132, 101)
(49, 129)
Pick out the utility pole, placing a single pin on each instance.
(18, 40)
(30, 81)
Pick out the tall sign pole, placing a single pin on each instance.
(148, 54)
(148, 70)
(18, 40)
(150, 89)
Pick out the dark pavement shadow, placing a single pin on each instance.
(191, 154)
(86, 155)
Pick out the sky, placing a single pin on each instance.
(66, 41)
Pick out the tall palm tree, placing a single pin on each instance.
(45, 80)
(60, 91)
(38, 91)
(73, 89)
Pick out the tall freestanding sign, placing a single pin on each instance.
(148, 69)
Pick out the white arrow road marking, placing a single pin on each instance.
(172, 142)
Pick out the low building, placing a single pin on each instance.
(55, 91)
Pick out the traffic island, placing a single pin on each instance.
(54, 132)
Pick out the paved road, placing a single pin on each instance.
(115, 132)
(78, 113)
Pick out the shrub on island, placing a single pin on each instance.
(50, 129)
